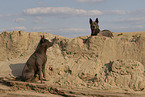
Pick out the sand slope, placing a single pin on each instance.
(92, 63)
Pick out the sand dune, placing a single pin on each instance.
(83, 63)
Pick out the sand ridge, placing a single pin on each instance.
(81, 63)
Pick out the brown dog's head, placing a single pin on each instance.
(94, 27)
(45, 43)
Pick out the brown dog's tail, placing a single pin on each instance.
(18, 78)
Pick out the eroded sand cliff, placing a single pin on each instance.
(86, 63)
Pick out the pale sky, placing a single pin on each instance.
(70, 18)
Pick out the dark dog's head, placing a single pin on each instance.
(45, 43)
(94, 27)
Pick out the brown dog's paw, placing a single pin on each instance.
(44, 79)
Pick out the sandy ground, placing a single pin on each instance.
(6, 91)
(84, 69)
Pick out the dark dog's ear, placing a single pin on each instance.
(97, 20)
(90, 21)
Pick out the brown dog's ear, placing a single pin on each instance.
(42, 39)
(42, 36)
(90, 21)
(54, 39)
(97, 20)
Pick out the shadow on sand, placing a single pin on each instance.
(17, 69)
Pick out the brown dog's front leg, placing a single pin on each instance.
(39, 66)
(43, 71)
(40, 74)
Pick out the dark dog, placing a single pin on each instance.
(36, 63)
(95, 29)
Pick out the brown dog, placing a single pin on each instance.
(36, 63)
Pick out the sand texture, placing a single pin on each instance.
(82, 66)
